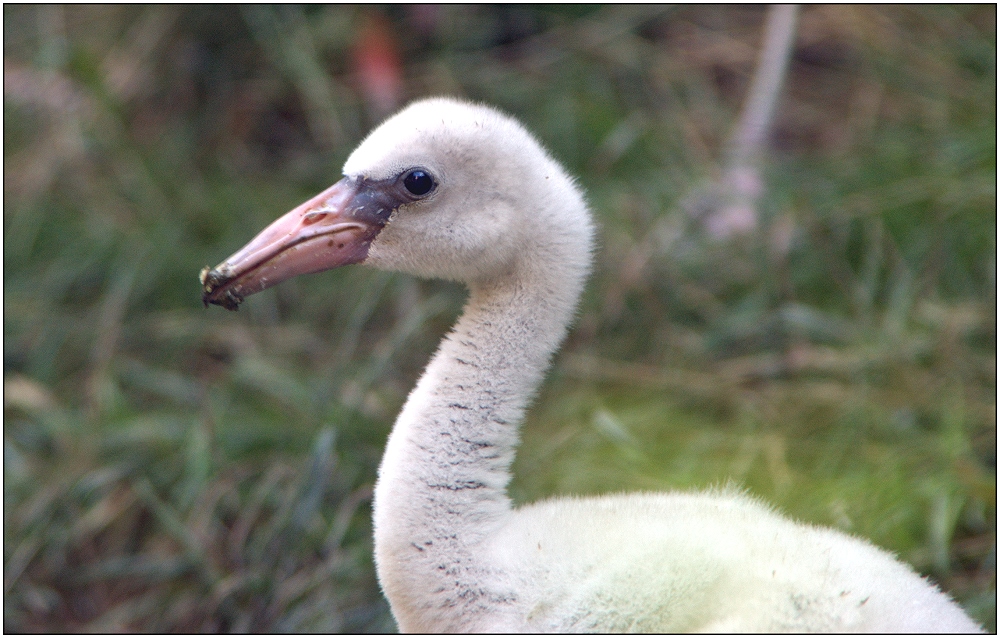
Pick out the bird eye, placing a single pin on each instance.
(418, 182)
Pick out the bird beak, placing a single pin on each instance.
(334, 228)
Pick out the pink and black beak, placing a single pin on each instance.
(334, 228)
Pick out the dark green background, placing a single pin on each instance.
(171, 468)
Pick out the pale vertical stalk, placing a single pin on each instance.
(741, 184)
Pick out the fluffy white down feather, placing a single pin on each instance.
(452, 554)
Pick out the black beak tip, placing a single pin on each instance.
(211, 280)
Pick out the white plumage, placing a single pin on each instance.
(452, 553)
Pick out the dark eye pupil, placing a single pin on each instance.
(418, 183)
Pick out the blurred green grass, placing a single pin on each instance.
(168, 468)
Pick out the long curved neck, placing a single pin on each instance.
(442, 483)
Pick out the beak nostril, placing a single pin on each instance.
(313, 217)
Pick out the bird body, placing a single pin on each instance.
(459, 191)
(699, 562)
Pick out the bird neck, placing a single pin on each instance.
(442, 483)
(454, 441)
